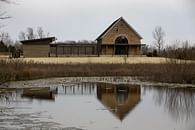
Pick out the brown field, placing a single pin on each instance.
(152, 69)
(102, 59)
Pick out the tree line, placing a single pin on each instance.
(173, 50)
(30, 34)
(177, 49)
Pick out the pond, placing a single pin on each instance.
(98, 106)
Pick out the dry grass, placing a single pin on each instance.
(107, 60)
(175, 72)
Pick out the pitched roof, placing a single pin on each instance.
(114, 23)
(50, 39)
(109, 98)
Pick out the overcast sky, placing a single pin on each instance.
(86, 19)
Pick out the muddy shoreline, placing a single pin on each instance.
(54, 82)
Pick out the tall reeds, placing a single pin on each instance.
(172, 71)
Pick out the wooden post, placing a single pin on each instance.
(56, 50)
(71, 50)
(85, 51)
(77, 50)
(128, 50)
(93, 50)
(106, 49)
(114, 49)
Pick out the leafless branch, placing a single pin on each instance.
(158, 35)
(5, 1)
(2, 16)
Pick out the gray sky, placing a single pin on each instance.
(86, 19)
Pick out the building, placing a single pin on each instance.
(119, 39)
(37, 47)
(73, 49)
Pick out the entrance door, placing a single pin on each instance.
(121, 46)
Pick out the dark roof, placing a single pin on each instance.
(121, 18)
(76, 43)
(107, 29)
(50, 39)
(72, 44)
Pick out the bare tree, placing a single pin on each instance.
(22, 36)
(30, 33)
(4, 16)
(40, 32)
(6, 39)
(158, 35)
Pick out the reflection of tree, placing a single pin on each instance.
(7, 96)
(180, 103)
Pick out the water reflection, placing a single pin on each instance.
(78, 89)
(9, 95)
(40, 93)
(178, 102)
(119, 99)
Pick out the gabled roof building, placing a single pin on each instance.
(119, 39)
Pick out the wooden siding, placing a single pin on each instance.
(120, 29)
(37, 47)
(73, 50)
(134, 50)
(36, 50)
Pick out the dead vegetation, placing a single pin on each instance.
(174, 71)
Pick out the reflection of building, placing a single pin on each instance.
(119, 99)
(78, 89)
(39, 93)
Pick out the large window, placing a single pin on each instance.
(121, 39)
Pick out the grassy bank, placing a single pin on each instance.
(172, 71)
(99, 60)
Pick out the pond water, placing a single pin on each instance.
(98, 106)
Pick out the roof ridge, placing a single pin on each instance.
(121, 18)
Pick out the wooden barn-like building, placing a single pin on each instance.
(119, 39)
(37, 47)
